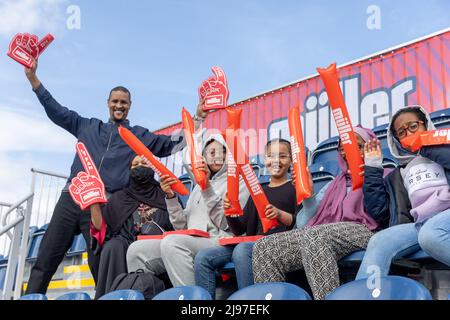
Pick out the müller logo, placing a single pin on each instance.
(252, 179)
(343, 126)
(231, 165)
(151, 165)
(295, 150)
(442, 133)
(91, 194)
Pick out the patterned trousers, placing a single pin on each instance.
(317, 250)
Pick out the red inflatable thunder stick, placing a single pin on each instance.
(24, 47)
(189, 131)
(250, 178)
(344, 126)
(232, 169)
(302, 187)
(214, 90)
(427, 138)
(141, 150)
(87, 187)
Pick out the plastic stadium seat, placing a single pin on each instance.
(264, 179)
(33, 296)
(78, 246)
(228, 266)
(184, 293)
(381, 133)
(189, 184)
(441, 118)
(356, 256)
(74, 296)
(390, 288)
(271, 291)
(323, 173)
(123, 295)
(418, 255)
(257, 166)
(325, 151)
(35, 242)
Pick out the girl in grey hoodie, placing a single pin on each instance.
(204, 211)
(413, 200)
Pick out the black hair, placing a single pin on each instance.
(120, 88)
(211, 141)
(279, 140)
(420, 115)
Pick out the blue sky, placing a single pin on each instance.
(161, 50)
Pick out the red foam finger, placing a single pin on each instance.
(18, 53)
(86, 160)
(44, 43)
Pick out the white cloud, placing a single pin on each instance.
(25, 132)
(26, 142)
(31, 16)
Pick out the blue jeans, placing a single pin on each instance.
(404, 239)
(207, 261)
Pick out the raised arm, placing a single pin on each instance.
(61, 116)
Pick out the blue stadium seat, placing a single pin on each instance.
(356, 256)
(326, 151)
(323, 173)
(257, 166)
(123, 295)
(264, 179)
(381, 133)
(35, 242)
(189, 184)
(184, 293)
(271, 291)
(228, 266)
(441, 118)
(34, 296)
(74, 296)
(418, 255)
(390, 288)
(78, 246)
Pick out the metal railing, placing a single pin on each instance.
(4, 239)
(19, 244)
(46, 186)
(35, 209)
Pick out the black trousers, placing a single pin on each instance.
(67, 221)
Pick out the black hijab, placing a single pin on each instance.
(143, 189)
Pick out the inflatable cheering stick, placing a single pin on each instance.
(232, 169)
(344, 126)
(189, 131)
(416, 141)
(302, 187)
(142, 151)
(251, 180)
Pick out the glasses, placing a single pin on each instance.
(411, 126)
